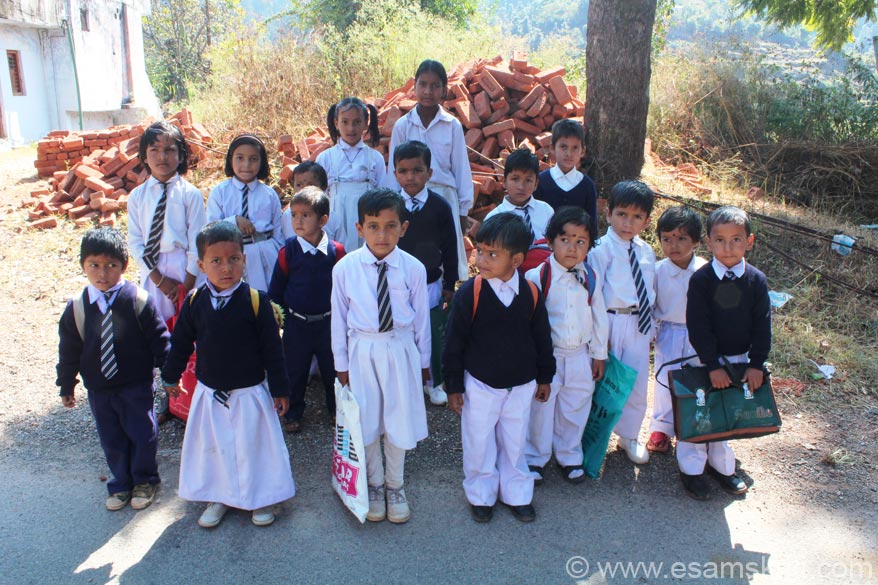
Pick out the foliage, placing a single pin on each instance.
(342, 14)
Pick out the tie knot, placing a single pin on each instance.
(108, 296)
(731, 275)
(573, 270)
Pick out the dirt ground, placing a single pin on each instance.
(825, 457)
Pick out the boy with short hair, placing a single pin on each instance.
(113, 336)
(497, 361)
(430, 237)
(381, 345)
(728, 314)
(302, 285)
(306, 174)
(564, 184)
(627, 266)
(520, 173)
(679, 233)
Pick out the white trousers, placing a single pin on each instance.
(632, 349)
(557, 425)
(494, 434)
(392, 475)
(671, 343)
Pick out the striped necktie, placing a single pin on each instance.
(385, 314)
(644, 317)
(151, 251)
(730, 275)
(220, 301)
(109, 368)
(525, 209)
(416, 205)
(246, 193)
(578, 277)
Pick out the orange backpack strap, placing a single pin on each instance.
(477, 289)
(535, 293)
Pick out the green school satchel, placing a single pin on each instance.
(704, 414)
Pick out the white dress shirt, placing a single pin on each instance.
(720, 269)
(263, 206)
(566, 181)
(540, 213)
(353, 164)
(609, 258)
(184, 218)
(421, 198)
(506, 290)
(322, 245)
(671, 286)
(97, 296)
(215, 296)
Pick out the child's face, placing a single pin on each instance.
(494, 261)
(520, 185)
(306, 179)
(570, 247)
(567, 152)
(412, 175)
(306, 223)
(223, 263)
(729, 242)
(382, 232)
(678, 246)
(163, 158)
(246, 162)
(429, 90)
(627, 221)
(350, 125)
(103, 271)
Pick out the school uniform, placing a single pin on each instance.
(573, 188)
(672, 338)
(511, 330)
(579, 325)
(610, 259)
(302, 285)
(726, 315)
(351, 170)
(184, 218)
(263, 210)
(536, 213)
(121, 400)
(452, 176)
(384, 367)
(233, 450)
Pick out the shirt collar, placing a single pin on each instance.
(239, 184)
(614, 237)
(441, 116)
(528, 203)
(573, 175)
(676, 270)
(322, 245)
(226, 293)
(367, 257)
(153, 181)
(720, 269)
(345, 146)
(95, 295)
(558, 271)
(512, 283)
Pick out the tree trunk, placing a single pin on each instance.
(617, 69)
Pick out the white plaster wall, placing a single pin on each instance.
(25, 118)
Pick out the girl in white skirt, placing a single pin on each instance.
(234, 453)
(381, 346)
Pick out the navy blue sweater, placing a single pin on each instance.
(503, 346)
(584, 195)
(432, 239)
(140, 343)
(306, 286)
(235, 347)
(729, 317)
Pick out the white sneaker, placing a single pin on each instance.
(212, 515)
(262, 516)
(398, 510)
(377, 504)
(437, 395)
(637, 453)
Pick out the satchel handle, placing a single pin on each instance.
(671, 363)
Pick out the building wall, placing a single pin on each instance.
(27, 117)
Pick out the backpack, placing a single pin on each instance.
(546, 279)
(140, 300)
(290, 252)
(254, 299)
(477, 290)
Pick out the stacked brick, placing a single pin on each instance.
(501, 105)
(97, 172)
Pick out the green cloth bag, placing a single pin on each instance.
(704, 414)
(610, 395)
(438, 322)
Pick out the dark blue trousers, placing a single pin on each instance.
(128, 433)
(302, 341)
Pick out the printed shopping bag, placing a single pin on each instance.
(610, 395)
(349, 454)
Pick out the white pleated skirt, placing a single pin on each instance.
(261, 258)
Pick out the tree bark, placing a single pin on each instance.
(618, 70)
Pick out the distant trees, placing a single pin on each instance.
(341, 14)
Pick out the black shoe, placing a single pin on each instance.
(539, 470)
(566, 470)
(481, 513)
(729, 483)
(524, 513)
(696, 486)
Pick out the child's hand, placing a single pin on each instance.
(598, 367)
(754, 378)
(719, 378)
(343, 378)
(175, 390)
(281, 405)
(543, 391)
(68, 401)
(168, 287)
(455, 403)
(245, 225)
(425, 375)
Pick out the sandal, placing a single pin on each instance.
(659, 442)
(537, 472)
(569, 475)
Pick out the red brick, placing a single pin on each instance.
(108, 219)
(84, 171)
(534, 110)
(42, 224)
(500, 113)
(286, 173)
(473, 138)
(518, 62)
(505, 125)
(36, 213)
(490, 84)
(506, 139)
(86, 219)
(482, 104)
(544, 139)
(392, 114)
(548, 74)
(468, 116)
(99, 185)
(130, 166)
(526, 128)
(77, 212)
(490, 148)
(532, 96)
(72, 143)
(559, 89)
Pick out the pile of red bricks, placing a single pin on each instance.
(502, 106)
(93, 172)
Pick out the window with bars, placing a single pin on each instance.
(15, 74)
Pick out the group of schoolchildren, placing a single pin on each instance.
(361, 262)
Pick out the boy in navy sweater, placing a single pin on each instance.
(728, 314)
(302, 285)
(498, 350)
(430, 237)
(112, 335)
